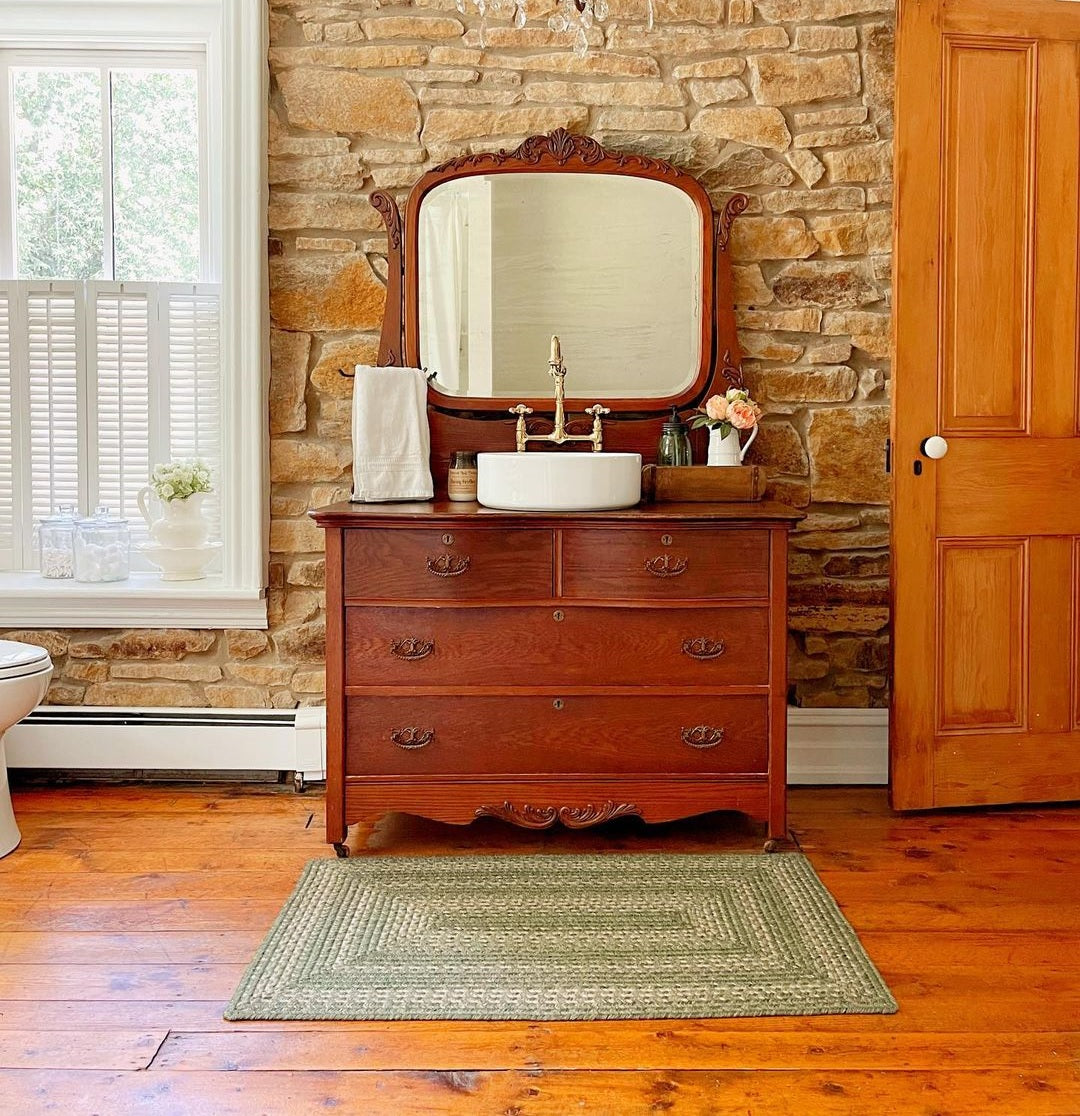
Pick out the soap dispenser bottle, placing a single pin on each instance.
(674, 447)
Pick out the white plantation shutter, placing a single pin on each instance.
(193, 340)
(99, 382)
(55, 362)
(120, 397)
(7, 435)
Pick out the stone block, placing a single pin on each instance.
(346, 57)
(868, 330)
(342, 172)
(804, 320)
(309, 682)
(326, 243)
(63, 693)
(308, 571)
(293, 460)
(738, 167)
(566, 62)
(641, 120)
(833, 198)
(879, 46)
(837, 137)
(819, 118)
(625, 94)
(718, 92)
(305, 643)
(336, 356)
(847, 452)
(869, 163)
(749, 286)
(763, 346)
(688, 41)
(170, 672)
(821, 39)
(806, 165)
(56, 643)
(779, 448)
(821, 384)
(316, 293)
(244, 643)
(341, 212)
(829, 283)
(771, 238)
(229, 696)
(295, 536)
(838, 618)
(785, 79)
(266, 675)
(347, 102)
(452, 123)
(413, 27)
(823, 11)
(759, 127)
(159, 644)
(143, 694)
(710, 68)
(288, 380)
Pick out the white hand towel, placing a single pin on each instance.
(391, 439)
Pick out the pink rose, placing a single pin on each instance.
(742, 414)
(717, 408)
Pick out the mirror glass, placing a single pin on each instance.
(609, 263)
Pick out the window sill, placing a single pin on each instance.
(28, 600)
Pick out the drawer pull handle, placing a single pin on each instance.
(663, 565)
(702, 736)
(703, 648)
(410, 738)
(448, 565)
(411, 649)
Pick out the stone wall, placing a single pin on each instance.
(787, 100)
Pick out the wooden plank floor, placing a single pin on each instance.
(128, 914)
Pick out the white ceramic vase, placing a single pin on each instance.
(725, 449)
(181, 523)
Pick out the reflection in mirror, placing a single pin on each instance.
(610, 263)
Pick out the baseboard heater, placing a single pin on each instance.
(73, 738)
(825, 746)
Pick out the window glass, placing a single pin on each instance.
(155, 128)
(57, 133)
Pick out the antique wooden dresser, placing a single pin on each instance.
(545, 667)
(555, 668)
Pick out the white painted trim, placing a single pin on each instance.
(838, 746)
(28, 600)
(165, 740)
(825, 746)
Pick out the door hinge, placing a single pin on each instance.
(888, 455)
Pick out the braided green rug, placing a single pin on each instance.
(559, 937)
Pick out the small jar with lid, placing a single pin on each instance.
(56, 543)
(461, 480)
(674, 447)
(102, 547)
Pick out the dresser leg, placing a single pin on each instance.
(341, 849)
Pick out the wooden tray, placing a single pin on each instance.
(704, 484)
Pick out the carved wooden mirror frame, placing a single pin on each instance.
(563, 152)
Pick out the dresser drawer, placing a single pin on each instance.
(543, 735)
(619, 564)
(448, 564)
(558, 645)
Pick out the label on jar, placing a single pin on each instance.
(461, 484)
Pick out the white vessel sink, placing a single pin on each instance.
(568, 481)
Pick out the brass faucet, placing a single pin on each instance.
(557, 371)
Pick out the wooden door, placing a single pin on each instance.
(986, 540)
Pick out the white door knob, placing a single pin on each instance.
(934, 447)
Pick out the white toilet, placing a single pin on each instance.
(25, 671)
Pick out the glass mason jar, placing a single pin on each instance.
(102, 547)
(56, 543)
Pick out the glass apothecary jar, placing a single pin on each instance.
(56, 543)
(102, 547)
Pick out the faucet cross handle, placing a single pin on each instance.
(597, 409)
(520, 410)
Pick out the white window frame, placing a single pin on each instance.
(233, 36)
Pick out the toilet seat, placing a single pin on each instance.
(20, 659)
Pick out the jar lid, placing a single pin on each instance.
(65, 516)
(463, 459)
(103, 517)
(675, 424)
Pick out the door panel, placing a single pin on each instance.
(981, 605)
(989, 125)
(986, 540)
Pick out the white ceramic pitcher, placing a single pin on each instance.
(181, 523)
(724, 449)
